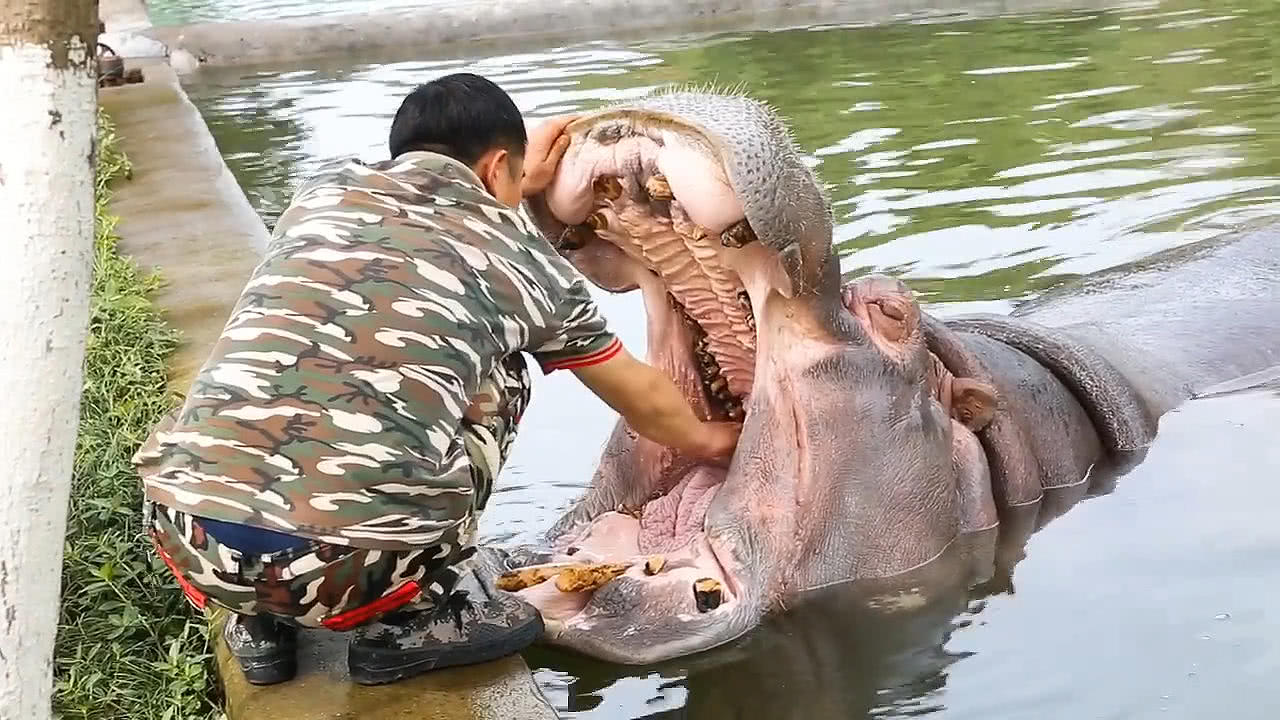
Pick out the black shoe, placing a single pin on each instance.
(466, 627)
(266, 650)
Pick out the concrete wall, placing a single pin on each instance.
(450, 28)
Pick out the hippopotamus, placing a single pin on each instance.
(876, 435)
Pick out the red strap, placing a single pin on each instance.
(196, 597)
(358, 616)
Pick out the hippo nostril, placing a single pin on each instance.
(707, 594)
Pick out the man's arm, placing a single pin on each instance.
(648, 399)
(655, 407)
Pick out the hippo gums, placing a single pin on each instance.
(874, 435)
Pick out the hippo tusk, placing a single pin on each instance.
(654, 565)
(658, 188)
(707, 594)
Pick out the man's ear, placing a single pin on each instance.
(491, 163)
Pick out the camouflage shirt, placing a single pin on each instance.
(330, 406)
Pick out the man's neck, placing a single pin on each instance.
(428, 157)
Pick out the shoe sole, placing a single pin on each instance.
(374, 667)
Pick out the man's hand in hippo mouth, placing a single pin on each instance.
(721, 442)
(657, 409)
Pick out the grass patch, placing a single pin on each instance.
(128, 645)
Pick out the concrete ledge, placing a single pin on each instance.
(501, 690)
(182, 212)
(478, 27)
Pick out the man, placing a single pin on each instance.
(335, 450)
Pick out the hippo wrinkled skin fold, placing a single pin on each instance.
(875, 436)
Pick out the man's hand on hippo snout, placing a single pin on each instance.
(656, 409)
(547, 144)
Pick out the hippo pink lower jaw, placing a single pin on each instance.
(666, 546)
(669, 522)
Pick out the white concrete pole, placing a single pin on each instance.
(48, 96)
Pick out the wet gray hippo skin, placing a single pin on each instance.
(1087, 370)
(876, 438)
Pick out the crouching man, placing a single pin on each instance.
(335, 450)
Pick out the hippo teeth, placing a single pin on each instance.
(707, 594)
(636, 209)
(723, 403)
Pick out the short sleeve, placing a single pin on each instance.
(580, 336)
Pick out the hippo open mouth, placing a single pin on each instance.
(644, 200)
(702, 202)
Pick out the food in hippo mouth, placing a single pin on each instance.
(569, 578)
(579, 578)
(654, 565)
(517, 580)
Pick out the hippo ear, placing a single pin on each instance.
(973, 403)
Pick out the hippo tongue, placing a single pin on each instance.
(669, 522)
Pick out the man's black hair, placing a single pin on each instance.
(460, 115)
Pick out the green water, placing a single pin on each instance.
(983, 162)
